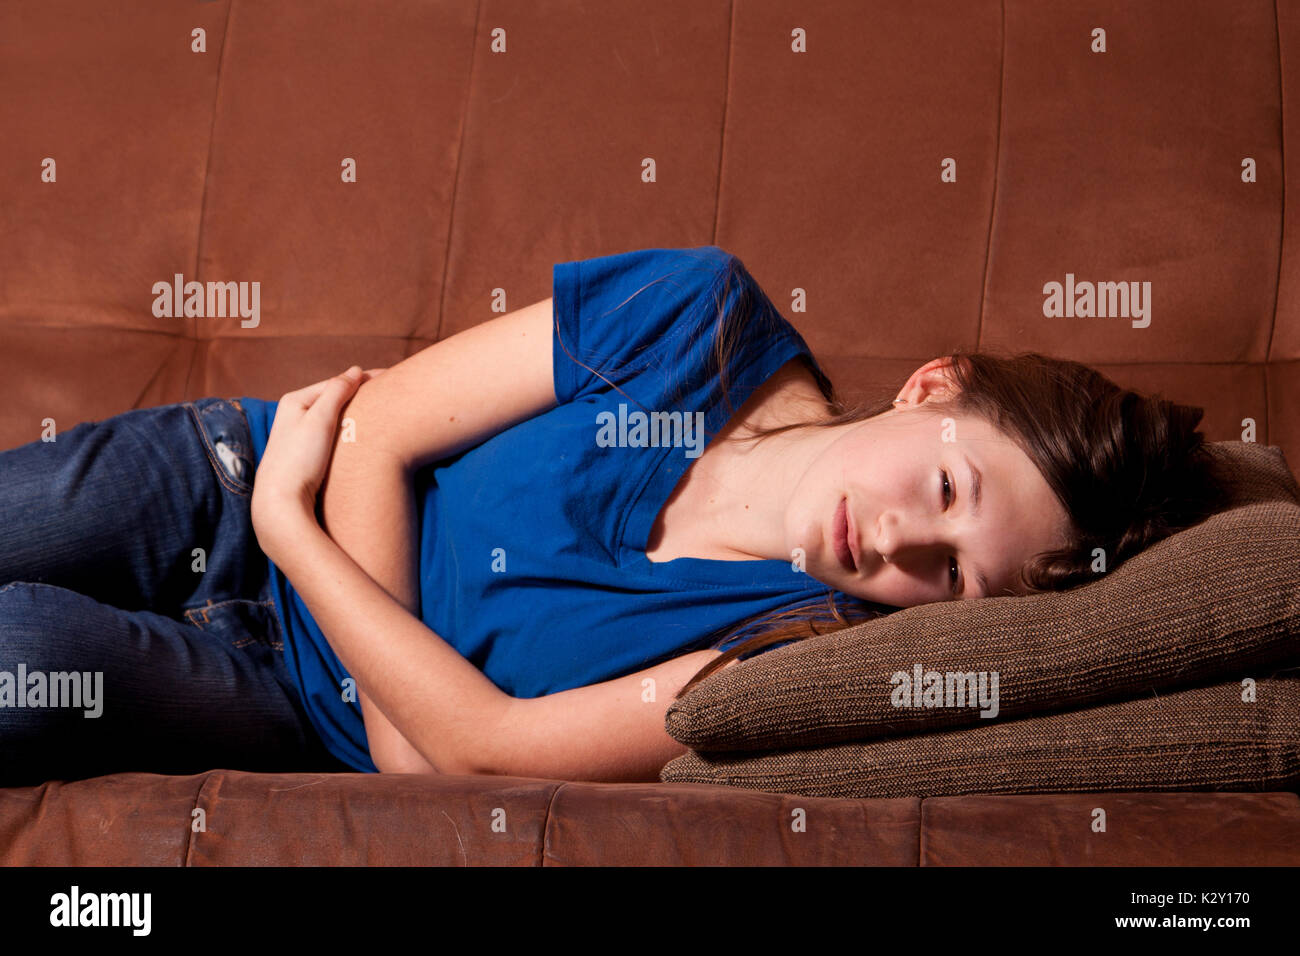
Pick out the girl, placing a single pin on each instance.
(510, 552)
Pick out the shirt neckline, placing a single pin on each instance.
(670, 468)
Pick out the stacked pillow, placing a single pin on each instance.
(1204, 738)
(1169, 672)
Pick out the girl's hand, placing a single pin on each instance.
(298, 451)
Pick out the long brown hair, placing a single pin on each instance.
(1129, 469)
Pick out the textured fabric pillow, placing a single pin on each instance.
(1204, 738)
(1211, 601)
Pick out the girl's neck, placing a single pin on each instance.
(731, 502)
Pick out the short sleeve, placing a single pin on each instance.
(616, 314)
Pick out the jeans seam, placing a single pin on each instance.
(226, 481)
(30, 584)
(198, 616)
(215, 604)
(277, 636)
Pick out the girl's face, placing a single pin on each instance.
(917, 528)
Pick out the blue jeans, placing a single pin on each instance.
(131, 584)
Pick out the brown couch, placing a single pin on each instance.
(1159, 160)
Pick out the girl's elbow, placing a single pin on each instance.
(412, 764)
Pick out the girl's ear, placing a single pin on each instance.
(931, 381)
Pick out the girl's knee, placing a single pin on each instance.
(43, 694)
(41, 625)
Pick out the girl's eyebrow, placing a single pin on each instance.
(976, 496)
(977, 486)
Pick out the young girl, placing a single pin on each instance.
(510, 552)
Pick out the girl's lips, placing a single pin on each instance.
(840, 537)
(852, 539)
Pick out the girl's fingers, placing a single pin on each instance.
(304, 398)
(336, 393)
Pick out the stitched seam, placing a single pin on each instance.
(207, 166)
(216, 604)
(189, 824)
(1281, 146)
(546, 826)
(235, 444)
(207, 446)
(1281, 245)
(920, 833)
(455, 179)
(225, 479)
(722, 136)
(273, 638)
(207, 609)
(993, 200)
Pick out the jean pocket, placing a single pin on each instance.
(241, 623)
(226, 438)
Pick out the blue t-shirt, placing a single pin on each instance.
(532, 543)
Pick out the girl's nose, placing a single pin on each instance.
(898, 537)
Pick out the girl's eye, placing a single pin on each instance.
(947, 499)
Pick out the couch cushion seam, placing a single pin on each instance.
(198, 798)
(546, 826)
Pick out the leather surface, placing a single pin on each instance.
(414, 820)
(478, 170)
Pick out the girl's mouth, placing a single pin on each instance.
(840, 537)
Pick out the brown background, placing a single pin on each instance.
(479, 170)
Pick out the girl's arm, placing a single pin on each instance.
(368, 509)
(456, 718)
(440, 701)
(449, 396)
(436, 699)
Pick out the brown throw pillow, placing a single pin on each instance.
(1204, 738)
(1211, 601)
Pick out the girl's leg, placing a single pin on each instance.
(146, 510)
(87, 689)
(130, 553)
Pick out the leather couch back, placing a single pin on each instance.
(901, 178)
